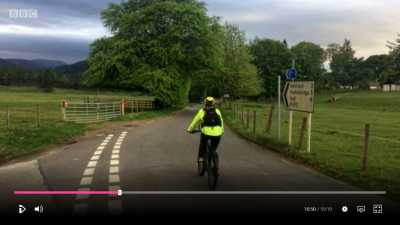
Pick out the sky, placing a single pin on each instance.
(63, 29)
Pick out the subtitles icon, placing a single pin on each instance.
(360, 209)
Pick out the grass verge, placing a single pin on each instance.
(336, 138)
(24, 138)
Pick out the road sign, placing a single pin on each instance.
(291, 74)
(299, 96)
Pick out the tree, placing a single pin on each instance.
(39, 78)
(64, 81)
(21, 74)
(394, 53)
(381, 65)
(341, 59)
(272, 59)
(49, 80)
(30, 75)
(311, 58)
(158, 45)
(240, 76)
(285, 42)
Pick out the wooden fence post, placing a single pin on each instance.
(38, 115)
(254, 127)
(122, 107)
(366, 143)
(271, 113)
(242, 115)
(248, 117)
(303, 127)
(132, 106)
(137, 106)
(98, 112)
(62, 111)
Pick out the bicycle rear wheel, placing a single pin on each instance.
(201, 167)
(213, 171)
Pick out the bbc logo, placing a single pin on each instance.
(23, 13)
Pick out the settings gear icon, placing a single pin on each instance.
(344, 209)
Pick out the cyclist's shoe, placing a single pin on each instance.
(201, 159)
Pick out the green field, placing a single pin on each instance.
(24, 137)
(337, 136)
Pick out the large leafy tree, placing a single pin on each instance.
(158, 45)
(272, 58)
(311, 58)
(394, 54)
(341, 58)
(240, 77)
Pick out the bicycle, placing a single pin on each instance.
(210, 164)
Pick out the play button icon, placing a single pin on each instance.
(21, 209)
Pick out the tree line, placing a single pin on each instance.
(44, 78)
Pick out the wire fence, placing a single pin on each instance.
(337, 144)
(365, 154)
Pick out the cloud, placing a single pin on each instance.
(63, 29)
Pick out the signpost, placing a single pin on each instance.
(291, 74)
(299, 96)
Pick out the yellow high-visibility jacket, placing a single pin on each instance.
(211, 131)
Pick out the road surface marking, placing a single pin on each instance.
(114, 178)
(81, 209)
(92, 164)
(115, 207)
(88, 172)
(83, 196)
(114, 169)
(113, 188)
(86, 181)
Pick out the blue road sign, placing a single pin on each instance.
(291, 74)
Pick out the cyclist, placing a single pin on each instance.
(209, 130)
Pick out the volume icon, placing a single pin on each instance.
(39, 209)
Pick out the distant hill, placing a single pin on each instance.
(35, 64)
(72, 70)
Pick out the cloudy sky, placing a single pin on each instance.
(63, 29)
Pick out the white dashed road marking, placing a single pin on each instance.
(81, 209)
(115, 206)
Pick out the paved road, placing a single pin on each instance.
(161, 156)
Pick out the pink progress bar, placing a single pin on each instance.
(66, 192)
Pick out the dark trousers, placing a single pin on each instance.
(203, 141)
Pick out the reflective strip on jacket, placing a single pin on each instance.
(211, 131)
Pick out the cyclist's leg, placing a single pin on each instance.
(202, 146)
